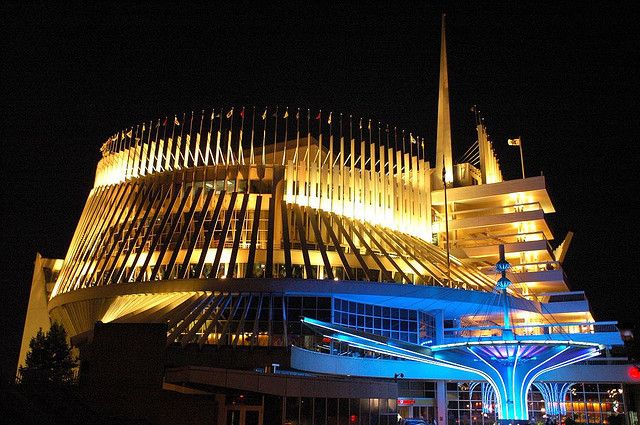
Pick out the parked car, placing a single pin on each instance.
(412, 421)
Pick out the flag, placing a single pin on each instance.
(298, 114)
(175, 121)
(318, 116)
(242, 113)
(369, 126)
(143, 127)
(514, 142)
(444, 173)
(275, 114)
(413, 139)
(329, 120)
(129, 133)
(286, 114)
(264, 115)
(230, 113)
(360, 123)
(165, 121)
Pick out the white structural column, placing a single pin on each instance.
(441, 400)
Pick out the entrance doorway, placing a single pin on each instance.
(244, 415)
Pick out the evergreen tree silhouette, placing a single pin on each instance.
(49, 360)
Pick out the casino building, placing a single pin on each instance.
(296, 257)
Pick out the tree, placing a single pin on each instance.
(49, 360)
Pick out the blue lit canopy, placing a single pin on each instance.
(509, 363)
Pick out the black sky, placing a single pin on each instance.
(564, 76)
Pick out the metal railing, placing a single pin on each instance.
(491, 240)
(481, 212)
(534, 329)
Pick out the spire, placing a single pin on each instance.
(443, 141)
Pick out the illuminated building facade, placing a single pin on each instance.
(231, 226)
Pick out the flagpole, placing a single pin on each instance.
(188, 147)
(173, 134)
(264, 135)
(275, 138)
(240, 152)
(253, 123)
(295, 155)
(317, 156)
(341, 138)
(199, 138)
(352, 166)
(370, 141)
(330, 142)
(446, 219)
(156, 155)
(134, 168)
(164, 148)
(379, 142)
(230, 134)
(147, 158)
(207, 149)
(286, 134)
(306, 154)
(342, 164)
(521, 155)
(176, 159)
(386, 148)
(361, 137)
(296, 159)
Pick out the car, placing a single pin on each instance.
(413, 421)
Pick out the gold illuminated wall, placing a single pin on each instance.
(238, 202)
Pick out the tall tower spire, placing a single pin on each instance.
(443, 140)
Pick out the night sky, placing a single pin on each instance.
(564, 77)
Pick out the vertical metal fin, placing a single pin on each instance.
(185, 227)
(230, 317)
(285, 239)
(196, 234)
(372, 254)
(236, 240)
(223, 235)
(270, 236)
(254, 237)
(354, 250)
(336, 243)
(172, 231)
(131, 208)
(313, 219)
(256, 321)
(209, 234)
(198, 306)
(156, 239)
(214, 319)
(146, 236)
(303, 242)
(240, 328)
(104, 238)
(384, 251)
(132, 224)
